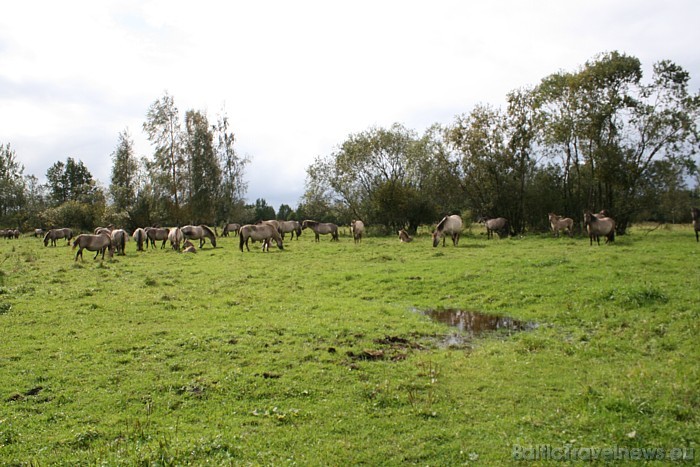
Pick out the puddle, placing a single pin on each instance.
(471, 324)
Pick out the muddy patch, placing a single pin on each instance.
(470, 325)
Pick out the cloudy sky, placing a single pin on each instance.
(295, 78)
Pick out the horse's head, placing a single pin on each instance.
(436, 238)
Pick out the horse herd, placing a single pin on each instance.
(111, 240)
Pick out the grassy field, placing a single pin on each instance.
(321, 354)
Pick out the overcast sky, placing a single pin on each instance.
(295, 78)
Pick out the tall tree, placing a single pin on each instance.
(125, 174)
(233, 185)
(11, 183)
(71, 181)
(169, 165)
(204, 171)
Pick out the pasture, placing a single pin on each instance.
(319, 354)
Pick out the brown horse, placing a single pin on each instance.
(449, 225)
(119, 239)
(358, 230)
(140, 237)
(233, 227)
(404, 237)
(597, 225)
(188, 247)
(290, 227)
(156, 233)
(264, 232)
(499, 225)
(98, 243)
(199, 232)
(54, 234)
(321, 228)
(695, 214)
(558, 224)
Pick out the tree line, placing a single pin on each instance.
(599, 137)
(595, 138)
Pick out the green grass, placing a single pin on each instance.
(318, 355)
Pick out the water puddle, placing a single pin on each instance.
(472, 324)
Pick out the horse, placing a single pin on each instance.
(498, 225)
(256, 232)
(449, 225)
(156, 233)
(199, 232)
(98, 243)
(290, 227)
(230, 228)
(321, 228)
(695, 214)
(38, 233)
(176, 237)
(404, 237)
(598, 225)
(558, 223)
(99, 230)
(358, 229)
(188, 247)
(139, 236)
(119, 239)
(54, 234)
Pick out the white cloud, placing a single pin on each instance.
(295, 77)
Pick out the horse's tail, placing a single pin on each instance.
(75, 244)
(240, 239)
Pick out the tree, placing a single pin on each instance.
(233, 185)
(204, 171)
(71, 181)
(125, 174)
(284, 212)
(611, 127)
(168, 167)
(12, 184)
(263, 212)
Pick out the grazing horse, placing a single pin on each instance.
(358, 229)
(263, 232)
(54, 234)
(695, 214)
(156, 233)
(321, 228)
(449, 225)
(38, 233)
(199, 232)
(404, 237)
(498, 225)
(119, 239)
(558, 224)
(176, 237)
(98, 243)
(140, 237)
(230, 228)
(290, 227)
(598, 225)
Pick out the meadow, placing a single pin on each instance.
(322, 354)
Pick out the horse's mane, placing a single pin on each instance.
(47, 234)
(208, 229)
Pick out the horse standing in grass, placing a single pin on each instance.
(358, 229)
(259, 232)
(199, 232)
(156, 233)
(176, 238)
(98, 243)
(449, 225)
(290, 227)
(558, 224)
(140, 237)
(54, 234)
(321, 228)
(499, 225)
(233, 227)
(597, 225)
(695, 214)
(119, 239)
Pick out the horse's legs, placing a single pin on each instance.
(201, 243)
